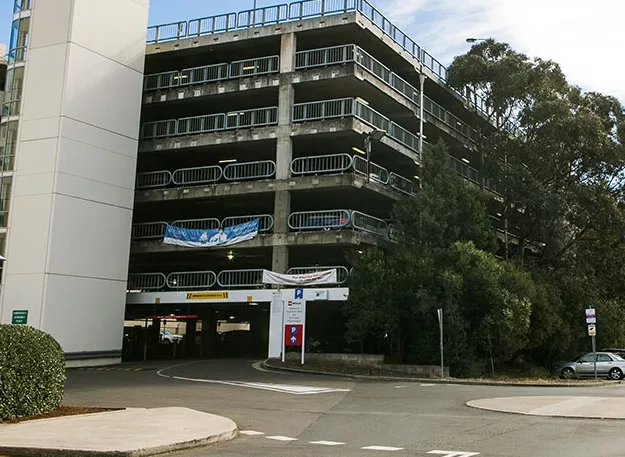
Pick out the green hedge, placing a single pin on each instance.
(32, 372)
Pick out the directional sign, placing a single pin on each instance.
(295, 312)
(293, 335)
(454, 453)
(299, 294)
(592, 330)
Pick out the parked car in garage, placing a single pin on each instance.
(168, 338)
(608, 365)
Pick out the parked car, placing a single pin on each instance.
(608, 365)
(169, 338)
(619, 352)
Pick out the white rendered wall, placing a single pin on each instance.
(69, 226)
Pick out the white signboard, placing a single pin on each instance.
(317, 277)
(590, 312)
(295, 312)
(592, 330)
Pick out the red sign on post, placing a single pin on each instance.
(293, 335)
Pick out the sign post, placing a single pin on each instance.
(591, 321)
(295, 325)
(440, 326)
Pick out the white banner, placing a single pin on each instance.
(318, 277)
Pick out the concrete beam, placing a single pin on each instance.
(264, 186)
(332, 237)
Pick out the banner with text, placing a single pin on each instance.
(191, 238)
(305, 279)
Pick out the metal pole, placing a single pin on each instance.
(421, 121)
(594, 352)
(304, 336)
(440, 325)
(368, 151)
(283, 352)
(254, 4)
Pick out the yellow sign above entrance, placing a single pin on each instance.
(207, 295)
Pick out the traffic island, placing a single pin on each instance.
(392, 373)
(128, 432)
(560, 406)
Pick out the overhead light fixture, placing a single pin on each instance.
(362, 100)
(231, 318)
(359, 151)
(359, 252)
(181, 76)
(249, 67)
(465, 160)
(253, 304)
(228, 161)
(230, 256)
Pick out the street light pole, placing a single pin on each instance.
(421, 120)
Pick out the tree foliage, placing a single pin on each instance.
(556, 156)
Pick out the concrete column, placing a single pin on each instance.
(73, 189)
(288, 47)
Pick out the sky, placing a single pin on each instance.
(584, 37)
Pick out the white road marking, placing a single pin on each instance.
(400, 387)
(427, 385)
(250, 433)
(281, 438)
(454, 453)
(327, 443)
(382, 448)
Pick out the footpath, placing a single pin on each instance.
(123, 433)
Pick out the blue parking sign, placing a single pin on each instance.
(299, 294)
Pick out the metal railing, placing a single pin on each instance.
(265, 221)
(350, 107)
(209, 223)
(250, 170)
(146, 281)
(330, 163)
(320, 220)
(240, 278)
(211, 73)
(258, 117)
(403, 185)
(153, 179)
(254, 67)
(197, 175)
(299, 10)
(325, 56)
(370, 224)
(464, 170)
(352, 53)
(148, 230)
(342, 273)
(184, 280)
(375, 172)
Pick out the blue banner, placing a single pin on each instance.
(211, 238)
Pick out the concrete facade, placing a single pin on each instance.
(68, 235)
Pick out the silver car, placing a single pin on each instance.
(608, 364)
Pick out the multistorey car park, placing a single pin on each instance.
(263, 114)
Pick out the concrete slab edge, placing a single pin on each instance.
(558, 416)
(270, 367)
(51, 452)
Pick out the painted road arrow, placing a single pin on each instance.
(454, 453)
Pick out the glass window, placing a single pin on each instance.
(603, 358)
(587, 358)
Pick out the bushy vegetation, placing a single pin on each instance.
(32, 372)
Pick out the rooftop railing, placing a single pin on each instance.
(258, 117)
(296, 11)
(185, 280)
(240, 278)
(337, 219)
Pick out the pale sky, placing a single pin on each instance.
(586, 37)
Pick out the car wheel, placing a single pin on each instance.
(616, 374)
(567, 373)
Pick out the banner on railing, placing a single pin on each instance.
(191, 238)
(305, 279)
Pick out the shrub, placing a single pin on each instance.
(32, 372)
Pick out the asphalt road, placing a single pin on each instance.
(283, 414)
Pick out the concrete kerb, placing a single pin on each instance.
(72, 436)
(456, 381)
